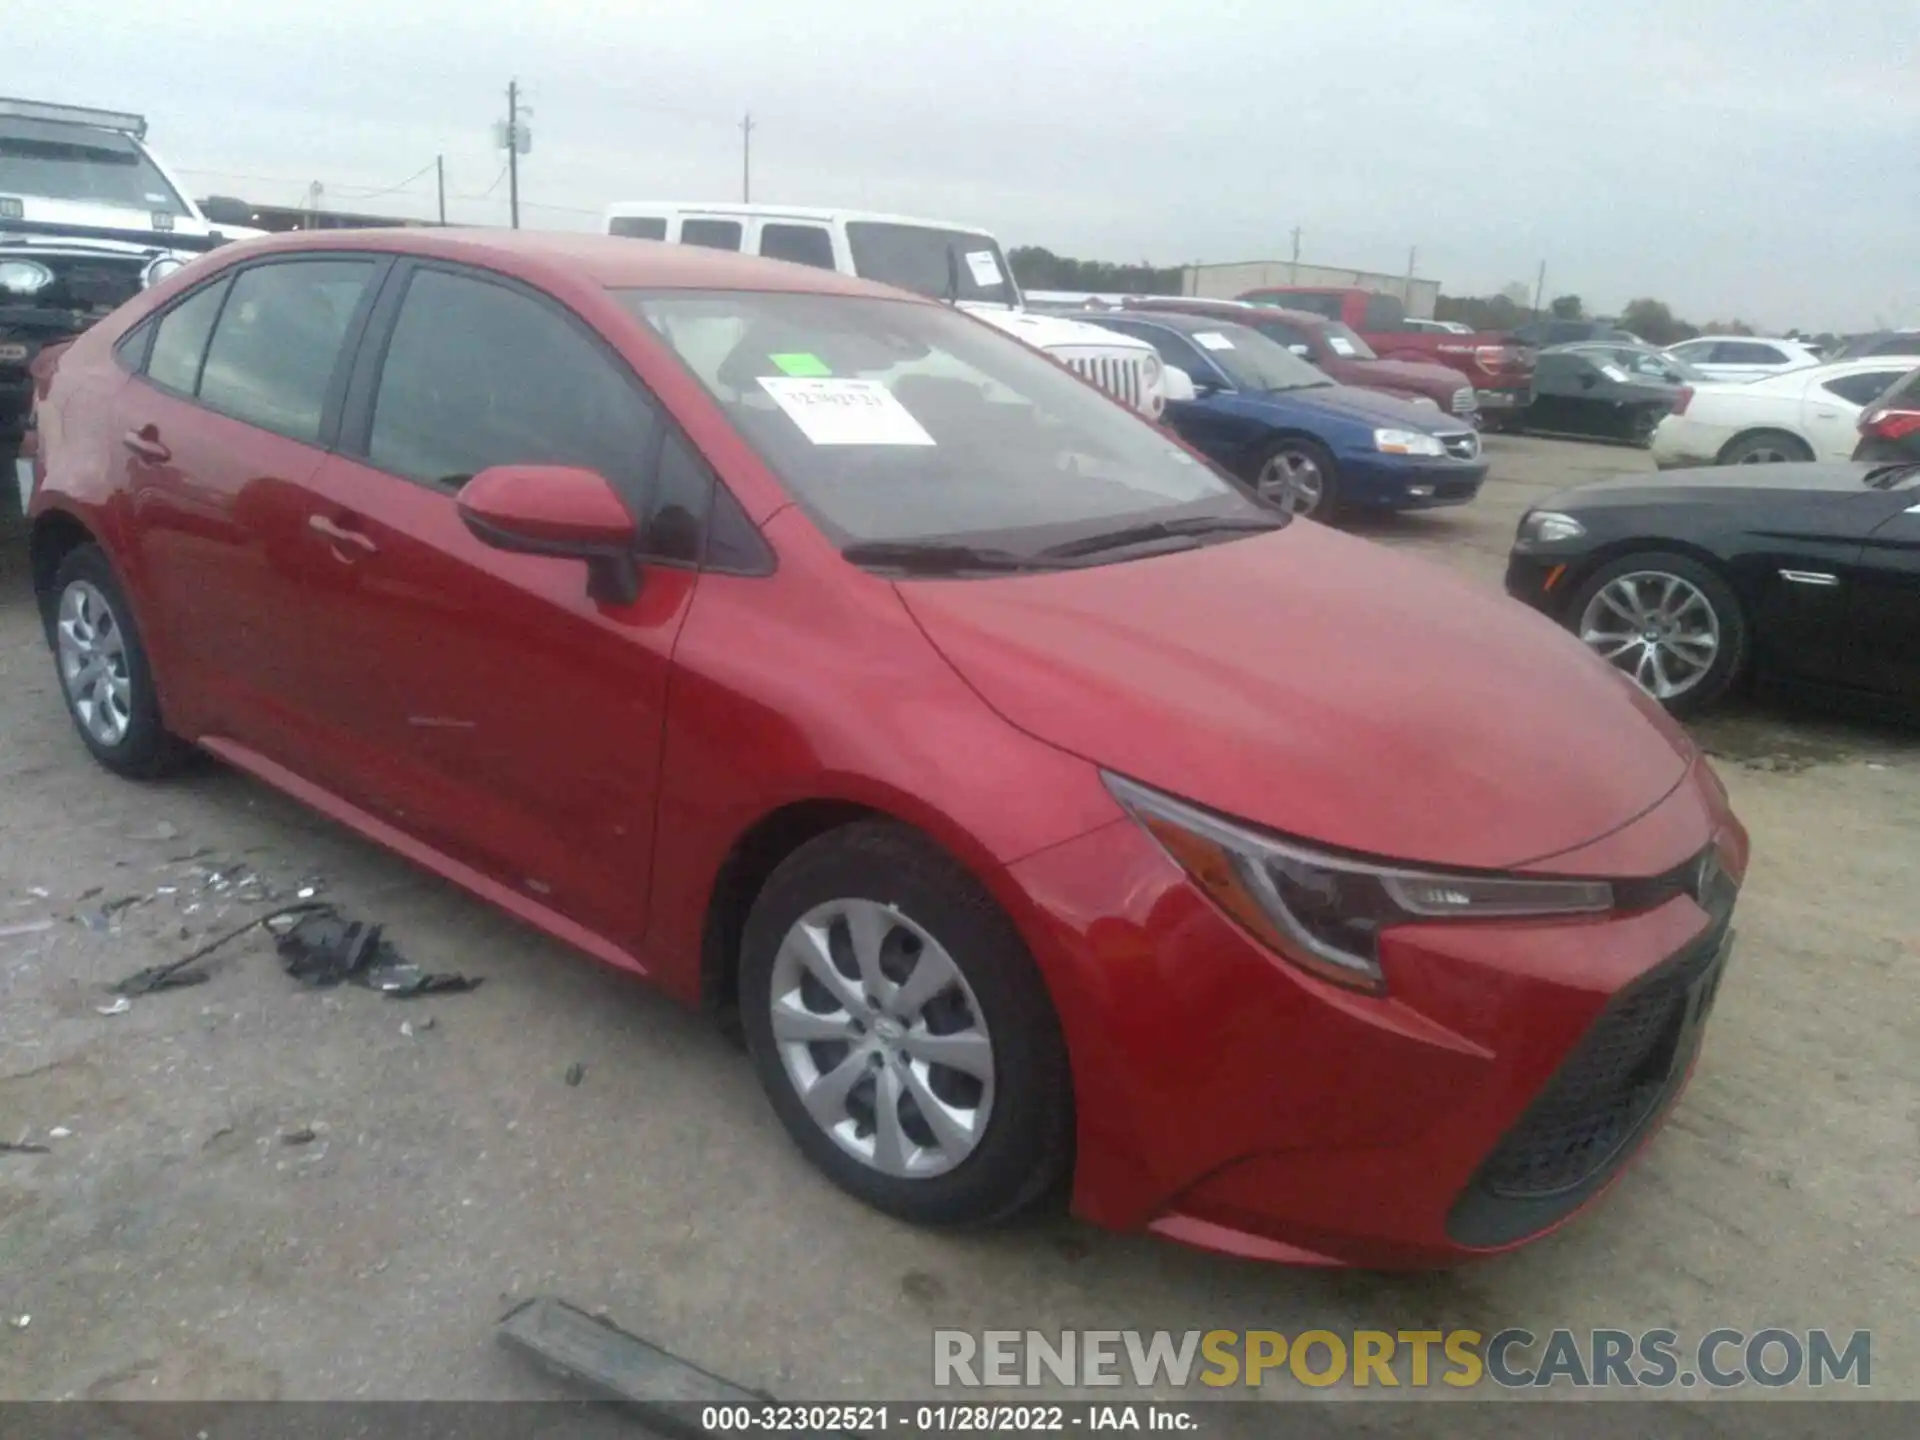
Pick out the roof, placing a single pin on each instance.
(824, 215)
(1755, 339)
(1244, 311)
(1172, 319)
(607, 260)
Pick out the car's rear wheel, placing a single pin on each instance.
(901, 1030)
(1300, 476)
(104, 674)
(1669, 622)
(1766, 447)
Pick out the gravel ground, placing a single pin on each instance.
(186, 1241)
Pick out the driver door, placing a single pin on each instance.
(1883, 610)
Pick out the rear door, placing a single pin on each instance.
(1830, 409)
(229, 417)
(492, 709)
(1744, 360)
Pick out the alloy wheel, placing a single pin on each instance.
(1292, 480)
(1765, 452)
(1658, 628)
(94, 668)
(882, 1038)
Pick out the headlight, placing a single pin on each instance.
(159, 268)
(1426, 401)
(1406, 442)
(1544, 527)
(24, 277)
(1151, 365)
(1325, 912)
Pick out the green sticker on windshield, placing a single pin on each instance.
(802, 364)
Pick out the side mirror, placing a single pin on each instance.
(1180, 385)
(561, 510)
(1588, 379)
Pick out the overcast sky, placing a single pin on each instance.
(1733, 157)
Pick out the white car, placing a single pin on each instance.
(1807, 414)
(1436, 327)
(959, 263)
(1743, 357)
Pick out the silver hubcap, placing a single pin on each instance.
(882, 1038)
(93, 663)
(1657, 627)
(1292, 480)
(1765, 454)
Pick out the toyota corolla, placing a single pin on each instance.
(1054, 814)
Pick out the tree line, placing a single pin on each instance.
(1037, 268)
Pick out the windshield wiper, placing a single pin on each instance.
(932, 557)
(1884, 477)
(1165, 530)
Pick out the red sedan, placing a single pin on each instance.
(1051, 812)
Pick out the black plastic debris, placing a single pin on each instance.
(576, 1072)
(323, 949)
(23, 1147)
(176, 974)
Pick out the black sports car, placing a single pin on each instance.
(1804, 574)
(1579, 392)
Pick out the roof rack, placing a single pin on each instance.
(134, 125)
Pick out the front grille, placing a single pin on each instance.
(1119, 376)
(88, 286)
(1464, 402)
(1462, 445)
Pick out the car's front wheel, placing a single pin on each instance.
(1668, 621)
(105, 677)
(901, 1030)
(1300, 476)
(1766, 447)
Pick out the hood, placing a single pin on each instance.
(1406, 375)
(1321, 686)
(1050, 332)
(1727, 484)
(1350, 402)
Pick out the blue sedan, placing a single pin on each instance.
(1305, 443)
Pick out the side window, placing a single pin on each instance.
(1316, 302)
(1865, 388)
(180, 344)
(274, 351)
(638, 227)
(1561, 368)
(1175, 350)
(1281, 333)
(1745, 352)
(1694, 351)
(478, 374)
(1384, 312)
(1566, 331)
(676, 514)
(802, 244)
(713, 234)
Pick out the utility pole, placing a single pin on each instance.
(513, 152)
(1293, 268)
(1539, 289)
(1413, 253)
(440, 178)
(746, 158)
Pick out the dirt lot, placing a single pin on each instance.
(176, 1245)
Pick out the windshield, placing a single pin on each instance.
(940, 264)
(1347, 343)
(72, 162)
(1253, 362)
(894, 421)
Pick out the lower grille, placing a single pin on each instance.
(1609, 1085)
(1463, 445)
(1464, 402)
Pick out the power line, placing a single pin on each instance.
(371, 194)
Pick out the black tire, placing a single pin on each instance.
(1730, 659)
(145, 751)
(1026, 1146)
(1765, 447)
(1327, 506)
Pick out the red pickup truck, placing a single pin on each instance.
(1499, 366)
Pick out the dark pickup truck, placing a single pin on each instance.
(1499, 367)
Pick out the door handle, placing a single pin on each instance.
(145, 442)
(340, 534)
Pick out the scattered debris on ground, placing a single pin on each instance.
(576, 1072)
(324, 948)
(118, 1007)
(23, 1146)
(304, 1135)
(25, 927)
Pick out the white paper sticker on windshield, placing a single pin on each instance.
(1613, 372)
(845, 412)
(1341, 345)
(1212, 340)
(986, 269)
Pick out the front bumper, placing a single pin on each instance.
(1386, 482)
(1508, 401)
(1229, 1100)
(1542, 582)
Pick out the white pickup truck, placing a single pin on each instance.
(947, 262)
(88, 218)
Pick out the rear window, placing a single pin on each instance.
(801, 244)
(1314, 302)
(940, 264)
(1384, 312)
(638, 227)
(1745, 352)
(711, 234)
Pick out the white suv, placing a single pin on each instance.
(1742, 357)
(946, 262)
